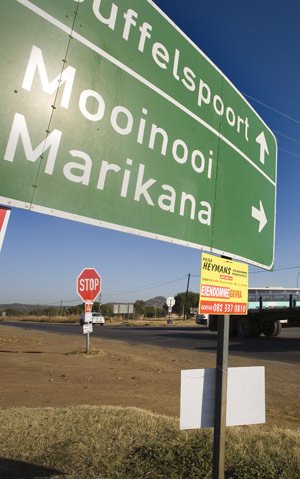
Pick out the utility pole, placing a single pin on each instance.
(99, 305)
(185, 298)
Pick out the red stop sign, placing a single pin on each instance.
(88, 284)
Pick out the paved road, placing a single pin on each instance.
(285, 348)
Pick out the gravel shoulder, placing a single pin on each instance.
(40, 369)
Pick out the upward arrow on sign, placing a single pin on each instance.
(261, 140)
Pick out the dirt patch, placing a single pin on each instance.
(39, 369)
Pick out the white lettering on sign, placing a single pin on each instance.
(88, 284)
(120, 118)
(167, 198)
(215, 291)
(36, 62)
(165, 59)
(133, 178)
(19, 130)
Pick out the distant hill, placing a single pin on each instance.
(157, 302)
(24, 308)
(17, 306)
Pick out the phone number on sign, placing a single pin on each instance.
(223, 308)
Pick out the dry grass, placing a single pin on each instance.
(43, 319)
(115, 321)
(129, 443)
(154, 322)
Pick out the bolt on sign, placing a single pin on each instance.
(165, 145)
(223, 286)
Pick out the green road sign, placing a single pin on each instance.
(112, 116)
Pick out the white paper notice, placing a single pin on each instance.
(245, 397)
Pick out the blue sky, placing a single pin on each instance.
(256, 45)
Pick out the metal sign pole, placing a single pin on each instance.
(88, 343)
(221, 398)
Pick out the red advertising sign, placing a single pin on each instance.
(223, 287)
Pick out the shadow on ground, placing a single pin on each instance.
(13, 469)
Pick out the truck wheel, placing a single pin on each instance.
(256, 327)
(244, 327)
(272, 329)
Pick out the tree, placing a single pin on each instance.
(106, 310)
(190, 299)
(139, 307)
(149, 312)
(14, 312)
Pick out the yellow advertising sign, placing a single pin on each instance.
(223, 286)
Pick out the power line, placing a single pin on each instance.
(121, 292)
(286, 136)
(289, 152)
(154, 285)
(159, 283)
(145, 288)
(274, 109)
(276, 131)
(280, 268)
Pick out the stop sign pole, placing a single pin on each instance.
(88, 288)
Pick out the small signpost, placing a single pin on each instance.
(88, 288)
(87, 328)
(170, 303)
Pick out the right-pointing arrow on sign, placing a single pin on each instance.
(260, 216)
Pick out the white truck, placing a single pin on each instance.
(268, 310)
